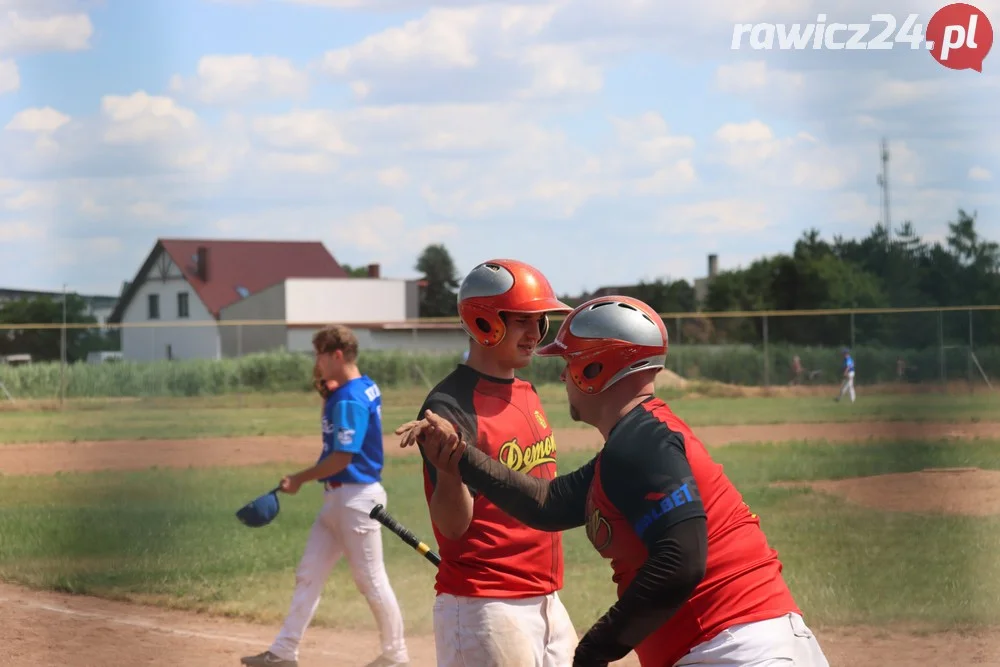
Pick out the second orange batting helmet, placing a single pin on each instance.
(608, 338)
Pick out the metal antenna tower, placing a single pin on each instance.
(883, 181)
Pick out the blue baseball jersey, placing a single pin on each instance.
(849, 363)
(352, 422)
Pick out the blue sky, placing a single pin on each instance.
(604, 142)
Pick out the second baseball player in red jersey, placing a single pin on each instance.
(497, 602)
(697, 582)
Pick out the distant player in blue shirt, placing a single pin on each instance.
(848, 385)
(350, 469)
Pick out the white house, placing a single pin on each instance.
(205, 299)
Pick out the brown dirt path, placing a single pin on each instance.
(52, 457)
(44, 629)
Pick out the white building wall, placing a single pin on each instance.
(344, 300)
(241, 339)
(196, 338)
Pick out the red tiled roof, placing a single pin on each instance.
(253, 265)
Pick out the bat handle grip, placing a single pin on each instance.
(378, 513)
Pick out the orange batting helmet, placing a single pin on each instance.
(503, 286)
(608, 338)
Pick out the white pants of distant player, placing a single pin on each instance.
(848, 386)
(491, 632)
(343, 528)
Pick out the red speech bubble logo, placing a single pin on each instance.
(961, 36)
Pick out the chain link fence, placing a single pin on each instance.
(925, 346)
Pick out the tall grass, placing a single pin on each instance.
(286, 371)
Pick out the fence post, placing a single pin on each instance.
(767, 363)
(941, 346)
(852, 333)
(62, 351)
(968, 356)
(680, 360)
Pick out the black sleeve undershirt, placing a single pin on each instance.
(649, 479)
(550, 505)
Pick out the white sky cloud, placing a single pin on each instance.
(22, 30)
(140, 117)
(980, 174)
(10, 77)
(231, 79)
(44, 119)
(528, 126)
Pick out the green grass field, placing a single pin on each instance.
(170, 537)
(296, 414)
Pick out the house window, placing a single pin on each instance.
(154, 306)
(182, 305)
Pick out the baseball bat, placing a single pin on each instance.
(380, 514)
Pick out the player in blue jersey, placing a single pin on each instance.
(350, 469)
(848, 385)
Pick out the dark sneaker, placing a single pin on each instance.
(267, 659)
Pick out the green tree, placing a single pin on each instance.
(355, 271)
(438, 298)
(46, 344)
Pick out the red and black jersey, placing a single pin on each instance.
(654, 473)
(498, 556)
(688, 556)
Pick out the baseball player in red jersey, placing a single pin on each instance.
(697, 582)
(497, 603)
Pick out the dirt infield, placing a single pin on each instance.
(55, 630)
(47, 629)
(961, 491)
(53, 457)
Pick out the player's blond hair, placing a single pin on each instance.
(336, 337)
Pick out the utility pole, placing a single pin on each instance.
(883, 181)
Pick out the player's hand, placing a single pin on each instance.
(437, 436)
(290, 484)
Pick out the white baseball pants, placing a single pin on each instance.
(848, 386)
(343, 527)
(785, 641)
(492, 632)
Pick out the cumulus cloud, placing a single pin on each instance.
(141, 118)
(980, 174)
(10, 77)
(383, 232)
(466, 54)
(497, 119)
(232, 79)
(716, 217)
(42, 120)
(26, 28)
(309, 130)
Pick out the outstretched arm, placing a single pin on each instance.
(658, 494)
(542, 504)
(551, 505)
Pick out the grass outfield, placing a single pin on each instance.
(297, 414)
(170, 538)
